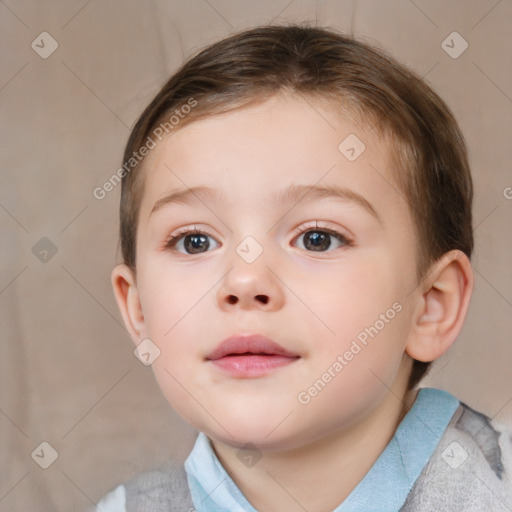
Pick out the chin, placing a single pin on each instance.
(262, 434)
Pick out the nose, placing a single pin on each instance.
(251, 286)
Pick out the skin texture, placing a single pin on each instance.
(313, 303)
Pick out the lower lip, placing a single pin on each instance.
(251, 365)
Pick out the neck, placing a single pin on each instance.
(290, 480)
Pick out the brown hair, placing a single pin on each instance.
(432, 167)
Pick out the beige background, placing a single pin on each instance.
(68, 375)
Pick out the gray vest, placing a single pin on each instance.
(162, 490)
(482, 481)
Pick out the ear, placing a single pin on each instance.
(442, 300)
(124, 284)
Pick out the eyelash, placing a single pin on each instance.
(313, 226)
(172, 240)
(175, 237)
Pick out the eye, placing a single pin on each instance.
(189, 241)
(318, 239)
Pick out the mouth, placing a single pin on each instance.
(250, 356)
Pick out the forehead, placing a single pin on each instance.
(256, 153)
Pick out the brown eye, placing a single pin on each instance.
(196, 243)
(320, 240)
(190, 242)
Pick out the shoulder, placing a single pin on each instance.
(470, 470)
(163, 489)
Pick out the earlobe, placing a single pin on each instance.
(442, 302)
(125, 289)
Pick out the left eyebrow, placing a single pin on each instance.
(292, 193)
(309, 193)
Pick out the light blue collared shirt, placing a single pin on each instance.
(383, 489)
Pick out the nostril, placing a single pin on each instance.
(233, 299)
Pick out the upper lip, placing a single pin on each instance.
(252, 343)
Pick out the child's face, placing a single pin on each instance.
(312, 298)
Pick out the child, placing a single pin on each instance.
(296, 232)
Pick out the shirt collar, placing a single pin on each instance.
(386, 484)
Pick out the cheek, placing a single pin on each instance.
(174, 383)
(356, 371)
(172, 324)
(346, 301)
(172, 297)
(178, 305)
(363, 320)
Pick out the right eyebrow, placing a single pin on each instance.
(187, 195)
